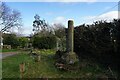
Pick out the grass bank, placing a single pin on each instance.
(46, 69)
(9, 50)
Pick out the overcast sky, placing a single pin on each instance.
(60, 12)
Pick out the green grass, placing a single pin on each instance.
(9, 50)
(46, 69)
(0, 69)
(10, 65)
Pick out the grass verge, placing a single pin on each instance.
(9, 50)
(46, 69)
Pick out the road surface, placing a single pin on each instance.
(6, 54)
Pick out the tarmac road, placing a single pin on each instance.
(6, 54)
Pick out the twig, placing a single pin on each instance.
(112, 72)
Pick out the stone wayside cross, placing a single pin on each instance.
(71, 56)
(67, 59)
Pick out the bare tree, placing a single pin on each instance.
(59, 30)
(9, 18)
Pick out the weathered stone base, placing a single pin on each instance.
(66, 61)
(71, 58)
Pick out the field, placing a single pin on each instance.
(46, 69)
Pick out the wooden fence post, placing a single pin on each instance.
(22, 69)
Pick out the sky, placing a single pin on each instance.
(61, 12)
(60, 0)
